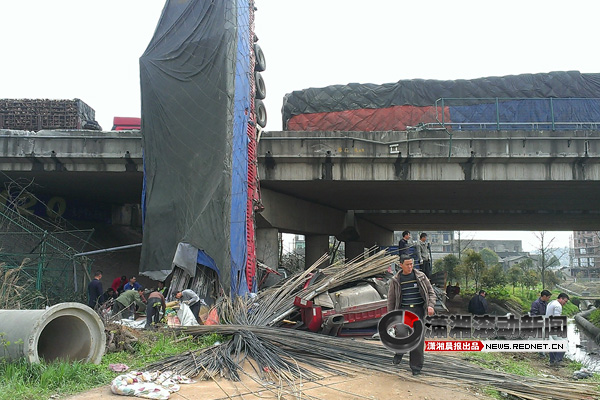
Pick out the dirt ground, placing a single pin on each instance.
(365, 385)
(362, 385)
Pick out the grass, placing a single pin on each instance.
(525, 297)
(504, 363)
(493, 393)
(20, 380)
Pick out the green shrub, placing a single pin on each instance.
(498, 293)
(570, 309)
(594, 317)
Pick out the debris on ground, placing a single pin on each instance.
(149, 385)
(583, 373)
(118, 367)
(120, 338)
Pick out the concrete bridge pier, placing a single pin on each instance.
(267, 246)
(316, 246)
(354, 249)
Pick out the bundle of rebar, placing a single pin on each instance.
(280, 354)
(274, 304)
(285, 355)
(38, 114)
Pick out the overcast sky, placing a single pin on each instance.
(64, 49)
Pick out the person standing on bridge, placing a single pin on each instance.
(411, 290)
(404, 245)
(425, 253)
(539, 306)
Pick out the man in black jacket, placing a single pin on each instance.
(95, 289)
(478, 304)
(404, 245)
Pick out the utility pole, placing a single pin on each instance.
(459, 248)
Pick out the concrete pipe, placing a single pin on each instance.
(65, 331)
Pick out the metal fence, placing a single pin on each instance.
(45, 255)
(517, 113)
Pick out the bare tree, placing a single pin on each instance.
(547, 255)
(463, 245)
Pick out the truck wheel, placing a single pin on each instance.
(259, 57)
(259, 83)
(261, 113)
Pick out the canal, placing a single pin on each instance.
(581, 347)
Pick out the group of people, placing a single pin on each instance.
(129, 296)
(543, 306)
(411, 290)
(419, 252)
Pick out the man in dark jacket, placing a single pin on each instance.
(411, 290)
(539, 306)
(478, 304)
(95, 289)
(403, 244)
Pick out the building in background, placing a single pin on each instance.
(299, 244)
(506, 247)
(585, 255)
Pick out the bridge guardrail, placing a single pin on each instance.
(517, 113)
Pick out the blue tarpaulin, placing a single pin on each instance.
(523, 113)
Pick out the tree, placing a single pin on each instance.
(489, 257)
(475, 265)
(530, 279)
(515, 275)
(494, 276)
(525, 265)
(551, 280)
(547, 258)
(448, 265)
(461, 271)
(463, 245)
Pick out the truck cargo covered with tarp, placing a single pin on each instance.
(555, 100)
(195, 101)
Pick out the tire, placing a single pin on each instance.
(261, 113)
(259, 57)
(259, 84)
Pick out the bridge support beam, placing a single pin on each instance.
(316, 246)
(354, 249)
(294, 215)
(267, 247)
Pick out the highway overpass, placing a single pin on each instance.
(360, 186)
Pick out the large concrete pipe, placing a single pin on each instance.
(65, 331)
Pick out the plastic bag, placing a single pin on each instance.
(186, 316)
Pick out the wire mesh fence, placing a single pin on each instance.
(45, 254)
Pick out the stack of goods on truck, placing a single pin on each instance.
(38, 114)
(555, 100)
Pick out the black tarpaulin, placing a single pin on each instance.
(187, 83)
(424, 92)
